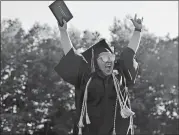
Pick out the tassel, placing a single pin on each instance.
(80, 131)
(87, 119)
(84, 108)
(128, 130)
(114, 132)
(132, 130)
(92, 62)
(80, 125)
(132, 125)
(85, 100)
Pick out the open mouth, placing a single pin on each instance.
(108, 66)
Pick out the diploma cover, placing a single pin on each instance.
(60, 11)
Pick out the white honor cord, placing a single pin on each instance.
(122, 104)
(114, 123)
(117, 87)
(83, 109)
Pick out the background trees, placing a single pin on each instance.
(35, 100)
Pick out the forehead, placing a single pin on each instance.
(104, 53)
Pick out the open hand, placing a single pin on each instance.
(64, 27)
(137, 22)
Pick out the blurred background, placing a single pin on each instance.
(36, 101)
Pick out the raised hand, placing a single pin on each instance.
(64, 27)
(137, 22)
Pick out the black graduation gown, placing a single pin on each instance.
(74, 69)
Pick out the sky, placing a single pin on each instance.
(160, 17)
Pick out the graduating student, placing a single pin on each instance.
(101, 95)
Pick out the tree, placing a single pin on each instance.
(31, 91)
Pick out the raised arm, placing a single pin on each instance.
(69, 66)
(64, 38)
(128, 64)
(135, 39)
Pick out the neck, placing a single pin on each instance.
(102, 75)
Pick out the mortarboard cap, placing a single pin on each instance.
(98, 47)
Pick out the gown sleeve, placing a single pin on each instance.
(69, 67)
(129, 66)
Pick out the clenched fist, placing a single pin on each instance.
(64, 27)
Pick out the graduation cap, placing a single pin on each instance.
(95, 50)
(98, 47)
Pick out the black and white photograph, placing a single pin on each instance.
(89, 68)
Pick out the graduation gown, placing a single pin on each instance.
(74, 69)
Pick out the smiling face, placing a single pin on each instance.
(105, 62)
